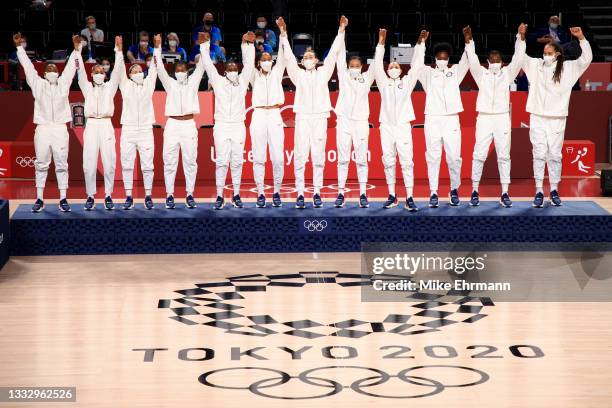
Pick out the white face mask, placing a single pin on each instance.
(144, 43)
(172, 43)
(549, 59)
(232, 75)
(180, 76)
(92, 26)
(98, 78)
(261, 25)
(441, 64)
(266, 65)
(106, 67)
(137, 77)
(495, 66)
(354, 72)
(309, 63)
(51, 77)
(553, 26)
(394, 73)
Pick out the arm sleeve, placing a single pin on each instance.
(161, 69)
(31, 75)
(330, 61)
(151, 78)
(379, 67)
(474, 62)
(581, 64)
(341, 63)
(198, 72)
(118, 70)
(517, 59)
(207, 64)
(291, 62)
(84, 83)
(67, 76)
(417, 65)
(248, 62)
(462, 67)
(280, 61)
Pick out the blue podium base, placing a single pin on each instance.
(286, 229)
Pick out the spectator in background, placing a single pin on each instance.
(106, 66)
(138, 52)
(552, 32)
(261, 45)
(208, 26)
(86, 51)
(172, 45)
(270, 35)
(148, 62)
(217, 54)
(91, 32)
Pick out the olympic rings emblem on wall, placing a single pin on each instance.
(25, 161)
(374, 378)
(315, 225)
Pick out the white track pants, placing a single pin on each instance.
(546, 135)
(267, 132)
(229, 152)
(496, 128)
(51, 141)
(396, 140)
(310, 138)
(134, 138)
(99, 138)
(443, 131)
(180, 135)
(353, 133)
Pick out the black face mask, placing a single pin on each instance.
(209, 22)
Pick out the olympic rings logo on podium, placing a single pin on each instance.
(315, 225)
(374, 378)
(25, 161)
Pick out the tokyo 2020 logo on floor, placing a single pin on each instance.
(222, 305)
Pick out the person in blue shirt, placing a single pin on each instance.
(208, 26)
(138, 52)
(270, 35)
(172, 45)
(217, 54)
(553, 31)
(261, 45)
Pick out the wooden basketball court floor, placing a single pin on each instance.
(93, 322)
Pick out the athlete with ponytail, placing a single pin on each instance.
(551, 79)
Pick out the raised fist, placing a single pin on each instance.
(577, 32)
(522, 30)
(467, 33)
(203, 37)
(248, 37)
(119, 42)
(343, 22)
(76, 41)
(382, 35)
(17, 39)
(282, 26)
(423, 36)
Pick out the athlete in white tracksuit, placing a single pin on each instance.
(311, 106)
(99, 136)
(442, 128)
(550, 86)
(266, 128)
(137, 119)
(352, 126)
(229, 131)
(51, 113)
(493, 106)
(181, 133)
(396, 113)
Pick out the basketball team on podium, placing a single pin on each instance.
(551, 79)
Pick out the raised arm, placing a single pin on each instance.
(583, 62)
(463, 66)
(520, 47)
(248, 57)
(119, 69)
(199, 70)
(341, 63)
(417, 64)
(470, 51)
(206, 62)
(290, 61)
(379, 55)
(83, 81)
(329, 63)
(31, 75)
(65, 79)
(159, 63)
